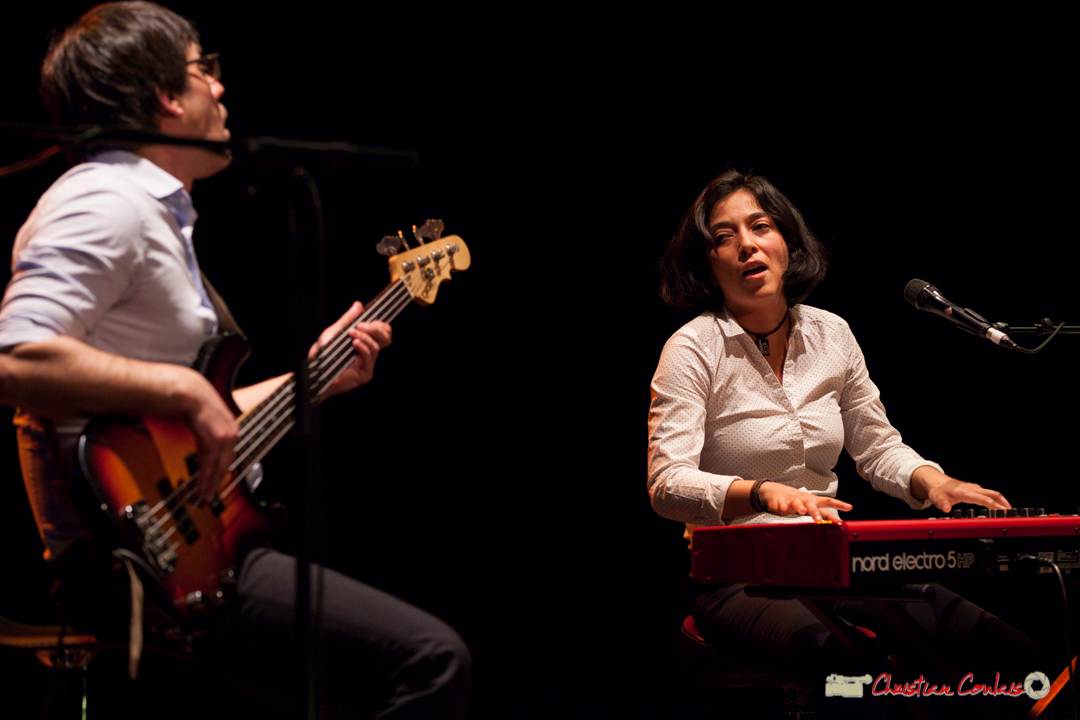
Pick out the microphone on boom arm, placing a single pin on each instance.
(926, 297)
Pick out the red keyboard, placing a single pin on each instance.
(871, 552)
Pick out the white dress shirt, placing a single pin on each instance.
(719, 414)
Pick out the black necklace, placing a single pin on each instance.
(762, 340)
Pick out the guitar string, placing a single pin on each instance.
(335, 357)
(341, 347)
(339, 351)
(283, 397)
(338, 354)
(279, 407)
(280, 422)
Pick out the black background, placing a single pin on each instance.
(494, 471)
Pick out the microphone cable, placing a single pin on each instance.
(1068, 672)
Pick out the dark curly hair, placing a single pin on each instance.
(107, 68)
(686, 280)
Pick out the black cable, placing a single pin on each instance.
(1045, 342)
(1065, 617)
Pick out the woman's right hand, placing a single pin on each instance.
(781, 499)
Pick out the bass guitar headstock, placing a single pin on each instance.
(422, 268)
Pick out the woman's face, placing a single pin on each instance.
(750, 255)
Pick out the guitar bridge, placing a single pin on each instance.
(155, 545)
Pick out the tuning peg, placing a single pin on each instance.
(389, 245)
(432, 230)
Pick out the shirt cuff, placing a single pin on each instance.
(17, 329)
(714, 498)
(905, 487)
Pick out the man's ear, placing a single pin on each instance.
(168, 105)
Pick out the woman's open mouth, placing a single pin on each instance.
(754, 271)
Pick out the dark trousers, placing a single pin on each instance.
(380, 657)
(784, 639)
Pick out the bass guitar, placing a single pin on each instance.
(143, 471)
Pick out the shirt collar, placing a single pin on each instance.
(148, 176)
(732, 328)
(155, 181)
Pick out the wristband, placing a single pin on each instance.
(755, 497)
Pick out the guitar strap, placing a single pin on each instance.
(226, 322)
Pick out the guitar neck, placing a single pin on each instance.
(265, 424)
(417, 275)
(337, 355)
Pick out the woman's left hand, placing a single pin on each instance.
(943, 491)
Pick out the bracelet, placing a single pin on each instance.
(755, 497)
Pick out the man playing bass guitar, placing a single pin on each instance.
(105, 314)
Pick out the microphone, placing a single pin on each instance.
(926, 297)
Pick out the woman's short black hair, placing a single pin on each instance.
(107, 68)
(686, 280)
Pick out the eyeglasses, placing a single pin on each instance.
(209, 66)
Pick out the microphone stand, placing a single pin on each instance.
(308, 313)
(309, 270)
(1040, 328)
(260, 149)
